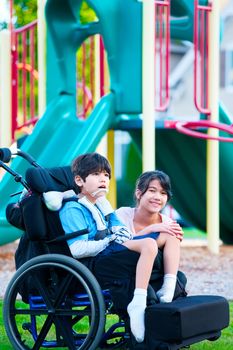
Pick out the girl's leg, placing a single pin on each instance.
(171, 258)
(148, 250)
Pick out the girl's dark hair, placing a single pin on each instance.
(145, 179)
(90, 163)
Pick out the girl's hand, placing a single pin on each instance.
(171, 228)
(175, 229)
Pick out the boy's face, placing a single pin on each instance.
(94, 186)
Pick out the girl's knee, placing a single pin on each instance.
(165, 239)
(150, 245)
(169, 238)
(173, 241)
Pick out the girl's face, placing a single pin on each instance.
(154, 199)
(94, 186)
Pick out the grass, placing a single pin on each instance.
(193, 233)
(225, 342)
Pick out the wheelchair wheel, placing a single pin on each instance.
(62, 305)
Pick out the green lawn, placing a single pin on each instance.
(192, 232)
(224, 343)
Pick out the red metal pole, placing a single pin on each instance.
(24, 76)
(102, 68)
(32, 59)
(162, 15)
(83, 78)
(92, 68)
(201, 31)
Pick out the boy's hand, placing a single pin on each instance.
(122, 234)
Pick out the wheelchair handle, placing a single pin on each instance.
(5, 155)
(17, 177)
(26, 156)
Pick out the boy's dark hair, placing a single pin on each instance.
(145, 178)
(90, 163)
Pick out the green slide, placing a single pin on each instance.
(57, 138)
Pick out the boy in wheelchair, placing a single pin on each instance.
(108, 237)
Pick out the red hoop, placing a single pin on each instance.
(186, 128)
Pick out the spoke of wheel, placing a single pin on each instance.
(62, 290)
(44, 331)
(43, 292)
(66, 331)
(58, 298)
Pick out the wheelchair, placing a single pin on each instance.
(52, 300)
(55, 301)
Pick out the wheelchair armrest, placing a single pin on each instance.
(69, 236)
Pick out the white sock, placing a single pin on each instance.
(166, 293)
(136, 311)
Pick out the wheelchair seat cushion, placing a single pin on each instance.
(54, 179)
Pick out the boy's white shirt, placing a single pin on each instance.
(83, 248)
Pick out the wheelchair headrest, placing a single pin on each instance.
(53, 179)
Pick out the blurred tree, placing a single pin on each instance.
(87, 14)
(25, 12)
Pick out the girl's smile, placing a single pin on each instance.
(155, 197)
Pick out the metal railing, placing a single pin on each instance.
(86, 77)
(162, 54)
(201, 54)
(24, 78)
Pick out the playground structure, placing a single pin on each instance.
(183, 157)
